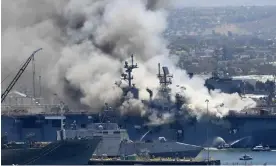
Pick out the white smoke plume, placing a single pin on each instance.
(132, 106)
(196, 93)
(85, 43)
(156, 118)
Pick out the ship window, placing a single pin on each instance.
(116, 132)
(105, 132)
(83, 125)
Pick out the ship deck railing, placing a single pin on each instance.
(23, 111)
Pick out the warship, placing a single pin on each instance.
(248, 128)
(64, 150)
(61, 152)
(241, 128)
(115, 142)
(223, 82)
(75, 145)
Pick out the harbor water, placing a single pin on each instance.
(232, 156)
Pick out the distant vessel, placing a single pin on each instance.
(224, 82)
(260, 147)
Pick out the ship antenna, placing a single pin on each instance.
(128, 73)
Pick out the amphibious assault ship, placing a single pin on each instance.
(238, 129)
(241, 128)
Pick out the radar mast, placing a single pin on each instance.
(165, 79)
(127, 76)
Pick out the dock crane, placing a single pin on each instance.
(18, 75)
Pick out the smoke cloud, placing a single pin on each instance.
(84, 45)
(132, 105)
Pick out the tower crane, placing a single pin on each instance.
(18, 75)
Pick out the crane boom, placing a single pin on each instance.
(18, 75)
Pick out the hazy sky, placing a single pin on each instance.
(227, 2)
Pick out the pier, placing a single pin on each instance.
(151, 162)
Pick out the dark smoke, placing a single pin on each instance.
(85, 42)
(72, 93)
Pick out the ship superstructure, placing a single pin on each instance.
(162, 100)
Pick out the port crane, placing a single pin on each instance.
(18, 75)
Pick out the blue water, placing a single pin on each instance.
(232, 156)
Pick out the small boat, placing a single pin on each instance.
(246, 157)
(260, 147)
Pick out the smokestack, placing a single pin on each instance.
(191, 75)
(159, 72)
(150, 93)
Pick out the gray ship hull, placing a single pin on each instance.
(242, 131)
(180, 154)
(237, 131)
(161, 149)
(14, 156)
(68, 152)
